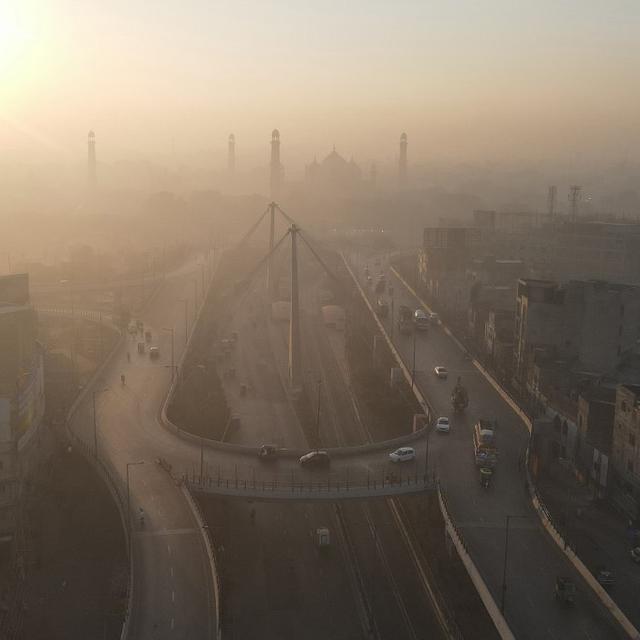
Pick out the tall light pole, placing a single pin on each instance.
(392, 311)
(95, 421)
(130, 464)
(318, 413)
(186, 319)
(195, 293)
(171, 330)
(504, 564)
(413, 366)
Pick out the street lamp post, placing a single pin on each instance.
(392, 310)
(95, 422)
(186, 319)
(130, 464)
(413, 366)
(318, 413)
(171, 330)
(195, 293)
(504, 564)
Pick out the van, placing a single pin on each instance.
(484, 443)
(420, 320)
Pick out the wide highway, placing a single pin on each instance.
(533, 559)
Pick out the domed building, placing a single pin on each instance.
(334, 172)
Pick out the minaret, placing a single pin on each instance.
(91, 160)
(402, 164)
(276, 167)
(231, 157)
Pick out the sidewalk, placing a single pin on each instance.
(599, 535)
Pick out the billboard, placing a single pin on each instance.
(14, 289)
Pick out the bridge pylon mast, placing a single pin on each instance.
(272, 226)
(294, 319)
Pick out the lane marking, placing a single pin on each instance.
(173, 596)
(171, 570)
(172, 623)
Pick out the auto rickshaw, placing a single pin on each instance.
(486, 474)
(565, 590)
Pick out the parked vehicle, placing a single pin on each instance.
(605, 577)
(486, 474)
(484, 444)
(405, 320)
(323, 537)
(565, 590)
(268, 452)
(459, 397)
(382, 308)
(154, 353)
(403, 454)
(442, 425)
(315, 459)
(420, 320)
(441, 372)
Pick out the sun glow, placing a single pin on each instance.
(14, 40)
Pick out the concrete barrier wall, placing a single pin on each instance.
(206, 541)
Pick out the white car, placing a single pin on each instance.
(403, 454)
(442, 425)
(441, 372)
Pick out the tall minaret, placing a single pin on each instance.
(276, 167)
(91, 160)
(231, 157)
(402, 163)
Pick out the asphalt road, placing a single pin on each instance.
(533, 560)
(172, 590)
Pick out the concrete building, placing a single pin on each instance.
(22, 399)
(593, 323)
(443, 261)
(596, 411)
(625, 457)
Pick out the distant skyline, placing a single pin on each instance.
(469, 81)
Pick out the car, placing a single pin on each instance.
(154, 352)
(442, 425)
(420, 320)
(441, 372)
(315, 459)
(403, 454)
(268, 452)
(382, 308)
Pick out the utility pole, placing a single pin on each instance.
(294, 317)
(551, 200)
(574, 198)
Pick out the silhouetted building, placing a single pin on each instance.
(334, 173)
(91, 160)
(625, 456)
(231, 155)
(277, 170)
(593, 323)
(402, 162)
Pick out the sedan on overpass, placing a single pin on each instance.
(441, 372)
(442, 425)
(315, 459)
(403, 454)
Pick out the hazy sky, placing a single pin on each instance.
(467, 80)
